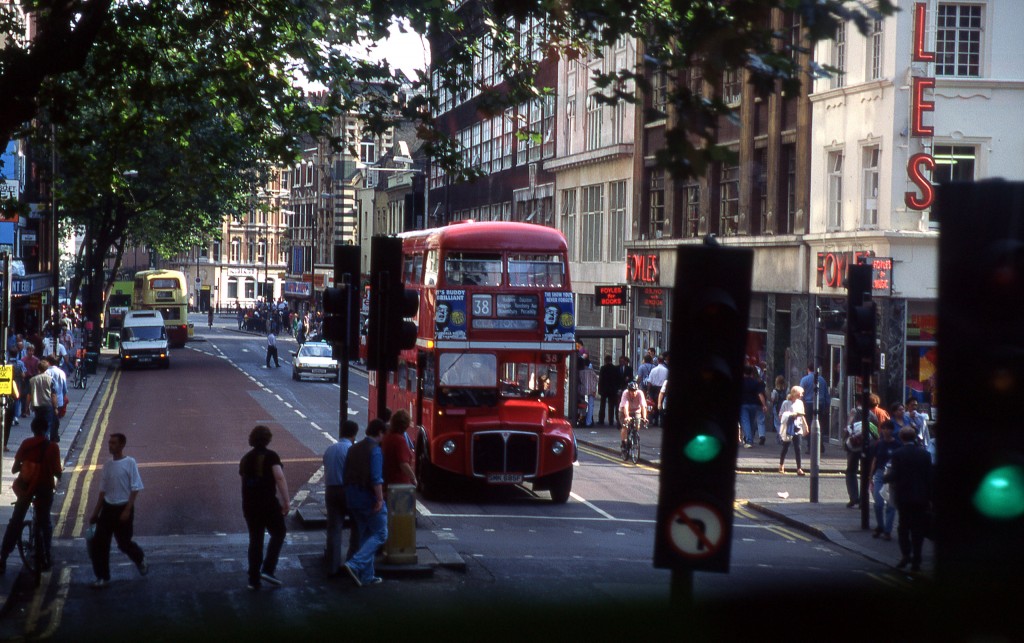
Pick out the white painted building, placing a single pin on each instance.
(934, 89)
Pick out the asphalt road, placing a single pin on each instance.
(187, 427)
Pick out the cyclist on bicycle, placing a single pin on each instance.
(632, 402)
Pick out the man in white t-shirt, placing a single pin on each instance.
(114, 513)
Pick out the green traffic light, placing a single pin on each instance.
(703, 448)
(1001, 494)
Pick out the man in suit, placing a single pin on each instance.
(911, 478)
(608, 389)
(625, 373)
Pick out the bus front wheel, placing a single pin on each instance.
(561, 486)
(427, 475)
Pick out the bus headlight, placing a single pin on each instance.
(448, 447)
(557, 447)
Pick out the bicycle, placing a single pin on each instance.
(633, 426)
(79, 377)
(30, 544)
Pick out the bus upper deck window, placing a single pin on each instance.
(471, 269)
(536, 270)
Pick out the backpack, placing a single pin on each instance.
(31, 473)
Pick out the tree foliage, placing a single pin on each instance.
(168, 114)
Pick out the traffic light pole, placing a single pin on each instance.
(865, 432)
(381, 374)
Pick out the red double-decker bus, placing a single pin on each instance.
(486, 381)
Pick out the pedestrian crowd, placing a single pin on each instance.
(894, 449)
(277, 317)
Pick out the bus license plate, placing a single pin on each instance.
(319, 371)
(504, 478)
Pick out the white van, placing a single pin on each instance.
(144, 340)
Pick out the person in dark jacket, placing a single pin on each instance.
(910, 477)
(608, 389)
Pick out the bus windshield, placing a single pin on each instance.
(472, 269)
(527, 379)
(468, 369)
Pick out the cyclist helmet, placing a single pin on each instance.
(632, 385)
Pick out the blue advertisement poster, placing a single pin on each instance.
(559, 317)
(450, 314)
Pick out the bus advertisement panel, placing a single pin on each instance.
(164, 290)
(486, 382)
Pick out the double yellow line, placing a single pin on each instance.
(87, 465)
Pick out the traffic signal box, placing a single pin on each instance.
(391, 306)
(341, 323)
(980, 492)
(711, 302)
(860, 321)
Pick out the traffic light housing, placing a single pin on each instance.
(860, 321)
(391, 305)
(341, 320)
(711, 304)
(980, 460)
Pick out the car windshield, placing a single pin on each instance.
(315, 351)
(142, 333)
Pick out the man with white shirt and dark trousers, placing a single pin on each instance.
(114, 514)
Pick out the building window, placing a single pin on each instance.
(595, 113)
(796, 34)
(236, 250)
(656, 200)
(569, 220)
(760, 191)
(871, 156)
(250, 255)
(547, 126)
(232, 288)
(261, 251)
(732, 86)
(659, 91)
(592, 219)
(691, 213)
(839, 57)
(954, 163)
(788, 222)
(875, 51)
(216, 251)
(617, 198)
(694, 77)
(835, 190)
(729, 209)
(958, 40)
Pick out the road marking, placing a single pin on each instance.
(528, 517)
(605, 456)
(90, 454)
(422, 510)
(300, 413)
(787, 533)
(596, 509)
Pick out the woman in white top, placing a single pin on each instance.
(792, 425)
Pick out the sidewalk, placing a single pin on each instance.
(829, 518)
(81, 401)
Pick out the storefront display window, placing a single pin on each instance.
(921, 360)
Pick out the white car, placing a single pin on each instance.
(314, 360)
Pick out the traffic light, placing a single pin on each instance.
(341, 321)
(711, 303)
(391, 304)
(980, 458)
(860, 321)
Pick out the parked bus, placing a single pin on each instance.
(118, 303)
(486, 381)
(164, 290)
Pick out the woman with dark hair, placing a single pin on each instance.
(265, 503)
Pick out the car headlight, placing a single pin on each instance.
(448, 447)
(557, 447)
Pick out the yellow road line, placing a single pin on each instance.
(82, 475)
(741, 510)
(610, 458)
(788, 533)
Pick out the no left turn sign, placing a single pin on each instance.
(695, 530)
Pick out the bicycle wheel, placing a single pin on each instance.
(27, 548)
(634, 446)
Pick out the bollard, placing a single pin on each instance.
(400, 548)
